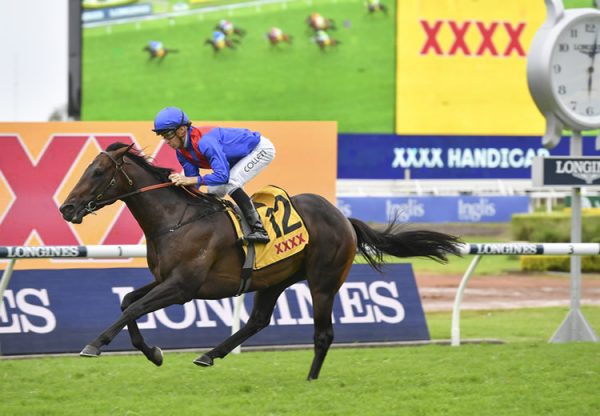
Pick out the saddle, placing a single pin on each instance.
(282, 222)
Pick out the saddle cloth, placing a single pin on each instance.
(283, 224)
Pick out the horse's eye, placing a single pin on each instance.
(97, 173)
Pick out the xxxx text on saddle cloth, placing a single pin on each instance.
(282, 222)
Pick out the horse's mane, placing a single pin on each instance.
(162, 175)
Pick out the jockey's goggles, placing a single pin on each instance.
(167, 134)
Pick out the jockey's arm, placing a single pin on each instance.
(190, 175)
(212, 149)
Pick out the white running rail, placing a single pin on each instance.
(477, 249)
(499, 249)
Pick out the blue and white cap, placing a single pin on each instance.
(169, 118)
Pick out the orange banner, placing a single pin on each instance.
(41, 162)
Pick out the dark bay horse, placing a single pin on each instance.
(193, 253)
(221, 44)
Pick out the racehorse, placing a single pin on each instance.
(218, 44)
(158, 53)
(276, 36)
(317, 22)
(324, 41)
(228, 28)
(193, 252)
(374, 6)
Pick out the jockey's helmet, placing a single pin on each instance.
(169, 118)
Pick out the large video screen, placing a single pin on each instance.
(349, 78)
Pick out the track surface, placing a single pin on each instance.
(505, 292)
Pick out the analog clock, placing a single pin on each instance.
(563, 70)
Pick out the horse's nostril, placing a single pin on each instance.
(67, 209)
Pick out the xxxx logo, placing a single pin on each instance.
(485, 34)
(290, 243)
(33, 185)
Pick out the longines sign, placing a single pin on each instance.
(566, 171)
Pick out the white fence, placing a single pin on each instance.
(581, 329)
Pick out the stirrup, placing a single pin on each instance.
(258, 236)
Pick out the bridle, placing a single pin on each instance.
(119, 167)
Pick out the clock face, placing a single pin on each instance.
(575, 69)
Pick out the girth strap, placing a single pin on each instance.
(247, 267)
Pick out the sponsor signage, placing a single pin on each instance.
(566, 171)
(57, 154)
(380, 156)
(51, 311)
(461, 67)
(518, 248)
(113, 13)
(432, 209)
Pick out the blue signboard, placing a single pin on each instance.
(114, 13)
(379, 156)
(48, 311)
(433, 209)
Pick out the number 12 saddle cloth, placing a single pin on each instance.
(283, 224)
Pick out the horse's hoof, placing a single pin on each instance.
(157, 356)
(90, 351)
(204, 361)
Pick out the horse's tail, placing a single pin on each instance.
(373, 244)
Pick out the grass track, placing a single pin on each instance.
(526, 376)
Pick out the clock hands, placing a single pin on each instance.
(591, 68)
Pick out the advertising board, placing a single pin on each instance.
(434, 209)
(380, 156)
(41, 162)
(50, 311)
(566, 171)
(461, 67)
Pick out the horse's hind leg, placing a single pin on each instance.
(154, 354)
(323, 337)
(264, 303)
(324, 282)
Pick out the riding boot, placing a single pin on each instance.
(257, 230)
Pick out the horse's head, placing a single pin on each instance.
(100, 185)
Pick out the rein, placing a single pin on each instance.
(93, 204)
(119, 167)
(137, 191)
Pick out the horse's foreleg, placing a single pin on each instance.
(264, 303)
(163, 295)
(154, 354)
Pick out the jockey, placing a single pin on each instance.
(323, 38)
(226, 27)
(219, 39)
(275, 34)
(318, 21)
(156, 48)
(235, 156)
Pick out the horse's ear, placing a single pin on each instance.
(130, 147)
(120, 152)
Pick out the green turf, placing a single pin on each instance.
(353, 84)
(526, 376)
